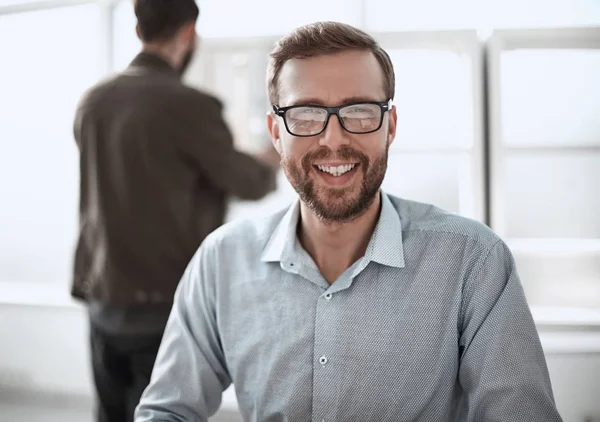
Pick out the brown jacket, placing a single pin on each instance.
(157, 163)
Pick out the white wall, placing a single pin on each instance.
(45, 349)
(576, 382)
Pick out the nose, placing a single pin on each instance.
(334, 134)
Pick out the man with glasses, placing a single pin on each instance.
(351, 305)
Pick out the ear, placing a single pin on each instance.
(273, 126)
(189, 31)
(392, 120)
(138, 33)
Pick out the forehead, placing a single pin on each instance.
(331, 78)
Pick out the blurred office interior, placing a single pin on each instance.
(499, 120)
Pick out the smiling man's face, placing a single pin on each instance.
(336, 173)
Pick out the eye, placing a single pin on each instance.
(308, 110)
(360, 111)
(357, 109)
(307, 113)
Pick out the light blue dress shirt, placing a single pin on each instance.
(430, 325)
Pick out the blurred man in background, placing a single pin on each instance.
(157, 165)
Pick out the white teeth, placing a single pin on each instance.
(337, 170)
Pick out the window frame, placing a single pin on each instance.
(485, 154)
(507, 40)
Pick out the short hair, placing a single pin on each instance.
(159, 20)
(325, 38)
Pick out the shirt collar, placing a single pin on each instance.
(385, 246)
(284, 236)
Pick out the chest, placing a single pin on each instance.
(388, 334)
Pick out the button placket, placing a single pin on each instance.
(323, 347)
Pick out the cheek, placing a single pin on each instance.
(375, 145)
(295, 148)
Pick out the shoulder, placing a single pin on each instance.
(194, 98)
(434, 222)
(97, 92)
(243, 237)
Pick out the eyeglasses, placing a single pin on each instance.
(311, 120)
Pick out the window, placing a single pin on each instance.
(545, 179)
(4, 3)
(395, 15)
(234, 18)
(125, 43)
(544, 91)
(39, 162)
(436, 156)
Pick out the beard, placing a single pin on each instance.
(187, 59)
(337, 204)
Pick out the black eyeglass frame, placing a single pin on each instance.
(384, 105)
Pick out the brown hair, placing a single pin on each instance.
(159, 20)
(324, 38)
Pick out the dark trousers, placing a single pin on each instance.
(122, 366)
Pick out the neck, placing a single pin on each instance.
(163, 51)
(336, 246)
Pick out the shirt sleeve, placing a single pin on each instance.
(204, 138)
(189, 374)
(502, 366)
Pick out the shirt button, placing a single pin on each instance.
(323, 360)
(328, 297)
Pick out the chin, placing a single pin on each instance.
(338, 209)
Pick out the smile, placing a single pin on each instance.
(336, 170)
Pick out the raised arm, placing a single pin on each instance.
(204, 138)
(502, 367)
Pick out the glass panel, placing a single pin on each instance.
(125, 41)
(537, 13)
(230, 18)
(440, 179)
(38, 156)
(550, 97)
(237, 77)
(433, 98)
(20, 2)
(560, 280)
(393, 15)
(552, 196)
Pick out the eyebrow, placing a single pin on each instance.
(318, 102)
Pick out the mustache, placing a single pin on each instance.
(345, 153)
